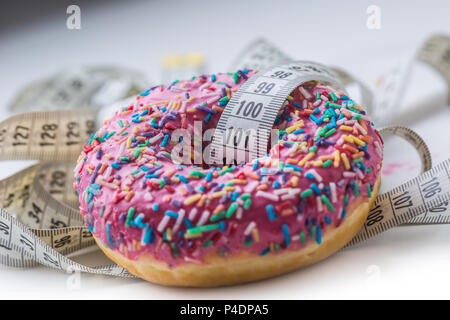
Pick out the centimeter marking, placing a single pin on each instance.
(264, 93)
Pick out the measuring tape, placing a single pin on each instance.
(378, 100)
(45, 225)
(93, 87)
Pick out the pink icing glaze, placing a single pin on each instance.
(300, 218)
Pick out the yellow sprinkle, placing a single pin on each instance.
(347, 138)
(255, 234)
(290, 98)
(219, 194)
(317, 163)
(192, 235)
(337, 158)
(306, 158)
(169, 173)
(129, 141)
(192, 199)
(345, 160)
(290, 129)
(358, 141)
(191, 110)
(229, 188)
(346, 128)
(294, 181)
(287, 212)
(239, 181)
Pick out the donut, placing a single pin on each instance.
(190, 224)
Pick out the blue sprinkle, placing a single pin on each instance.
(276, 184)
(327, 220)
(209, 176)
(315, 188)
(149, 176)
(171, 214)
(265, 251)
(187, 223)
(222, 226)
(293, 167)
(182, 178)
(176, 203)
(309, 175)
(148, 235)
(255, 165)
(287, 239)
(115, 165)
(270, 212)
(318, 235)
(165, 140)
(155, 207)
(108, 235)
(298, 131)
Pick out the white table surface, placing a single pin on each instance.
(405, 262)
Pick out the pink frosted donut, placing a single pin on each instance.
(187, 225)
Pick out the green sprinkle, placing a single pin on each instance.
(124, 158)
(327, 202)
(357, 117)
(277, 247)
(369, 192)
(120, 123)
(333, 96)
(330, 132)
(317, 95)
(225, 171)
(346, 199)
(224, 99)
(129, 216)
(135, 172)
(248, 242)
(218, 216)
(235, 77)
(136, 153)
(245, 196)
(302, 237)
(247, 204)
(327, 163)
(124, 133)
(201, 229)
(197, 173)
(311, 232)
(174, 249)
(334, 105)
(313, 148)
(231, 209)
(356, 190)
(207, 243)
(306, 193)
(369, 170)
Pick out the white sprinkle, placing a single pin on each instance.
(333, 192)
(179, 220)
(239, 213)
(281, 191)
(249, 228)
(293, 149)
(305, 93)
(148, 196)
(186, 258)
(340, 141)
(122, 148)
(192, 214)
(360, 128)
(183, 106)
(78, 166)
(378, 149)
(156, 138)
(162, 225)
(212, 100)
(305, 104)
(240, 201)
(360, 174)
(251, 187)
(319, 203)
(295, 237)
(340, 121)
(266, 195)
(323, 97)
(317, 176)
(317, 102)
(203, 218)
(349, 174)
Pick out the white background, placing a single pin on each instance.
(406, 262)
